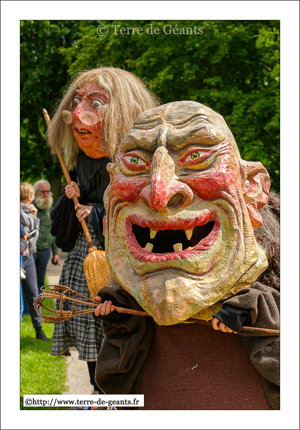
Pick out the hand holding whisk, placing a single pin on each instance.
(61, 293)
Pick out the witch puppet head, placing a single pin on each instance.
(96, 112)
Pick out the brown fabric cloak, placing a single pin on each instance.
(126, 344)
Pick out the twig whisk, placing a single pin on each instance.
(61, 293)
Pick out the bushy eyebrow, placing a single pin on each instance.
(90, 94)
(131, 143)
(96, 92)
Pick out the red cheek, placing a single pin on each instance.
(212, 185)
(127, 189)
(96, 129)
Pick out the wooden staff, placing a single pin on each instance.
(256, 330)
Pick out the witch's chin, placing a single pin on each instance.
(87, 148)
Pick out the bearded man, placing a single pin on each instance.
(43, 202)
(181, 208)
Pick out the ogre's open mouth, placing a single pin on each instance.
(166, 241)
(169, 241)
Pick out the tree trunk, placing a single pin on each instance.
(55, 180)
(55, 188)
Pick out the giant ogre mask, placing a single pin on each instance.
(181, 208)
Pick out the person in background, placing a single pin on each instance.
(23, 247)
(43, 202)
(30, 222)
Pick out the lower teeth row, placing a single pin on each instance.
(177, 247)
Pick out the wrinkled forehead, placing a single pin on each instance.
(44, 187)
(176, 124)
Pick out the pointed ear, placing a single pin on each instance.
(110, 167)
(256, 185)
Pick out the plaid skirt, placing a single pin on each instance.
(83, 332)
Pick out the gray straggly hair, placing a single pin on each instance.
(268, 236)
(129, 97)
(41, 181)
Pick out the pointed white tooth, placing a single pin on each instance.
(189, 233)
(148, 247)
(152, 233)
(177, 247)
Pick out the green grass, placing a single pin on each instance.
(49, 303)
(41, 372)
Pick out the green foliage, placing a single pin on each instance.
(230, 66)
(40, 372)
(43, 76)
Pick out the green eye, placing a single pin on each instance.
(76, 101)
(195, 155)
(134, 160)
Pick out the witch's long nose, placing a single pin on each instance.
(81, 107)
(165, 190)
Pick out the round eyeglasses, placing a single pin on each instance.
(87, 117)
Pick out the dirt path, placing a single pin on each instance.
(78, 380)
(77, 374)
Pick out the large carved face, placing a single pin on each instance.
(181, 207)
(89, 99)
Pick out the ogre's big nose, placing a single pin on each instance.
(165, 190)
